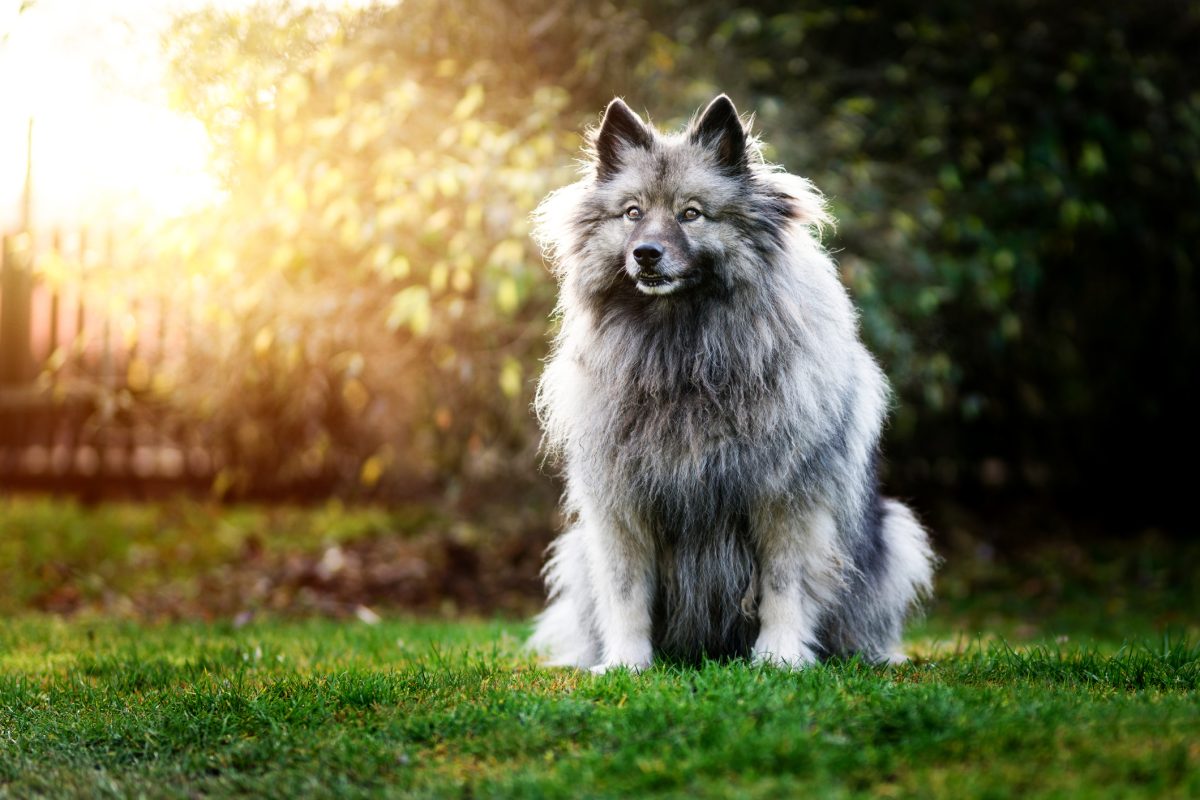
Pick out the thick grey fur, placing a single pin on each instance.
(716, 416)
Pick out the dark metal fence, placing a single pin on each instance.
(83, 379)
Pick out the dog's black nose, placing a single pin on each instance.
(647, 254)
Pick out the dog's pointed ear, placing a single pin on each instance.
(621, 129)
(719, 127)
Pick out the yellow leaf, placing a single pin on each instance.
(438, 220)
(447, 183)
(472, 132)
(266, 147)
(355, 77)
(510, 377)
(399, 267)
(470, 102)
(507, 296)
(162, 385)
(295, 87)
(355, 395)
(419, 324)
(410, 307)
(292, 134)
(427, 187)
(461, 280)
(282, 256)
(247, 136)
(508, 253)
(372, 471)
(351, 231)
(138, 375)
(295, 198)
(224, 263)
(262, 341)
(222, 483)
(474, 216)
(439, 276)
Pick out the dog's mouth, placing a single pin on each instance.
(652, 282)
(650, 278)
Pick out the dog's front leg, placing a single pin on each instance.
(800, 575)
(621, 568)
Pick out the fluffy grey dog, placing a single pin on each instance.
(716, 414)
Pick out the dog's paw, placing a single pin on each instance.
(634, 656)
(786, 652)
(633, 667)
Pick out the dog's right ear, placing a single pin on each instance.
(720, 128)
(620, 130)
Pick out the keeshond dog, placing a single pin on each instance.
(716, 416)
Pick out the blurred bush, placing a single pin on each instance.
(1010, 180)
(378, 309)
(1015, 185)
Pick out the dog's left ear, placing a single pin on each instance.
(621, 129)
(718, 127)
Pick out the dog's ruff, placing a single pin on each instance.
(719, 439)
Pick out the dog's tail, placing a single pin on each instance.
(911, 560)
(907, 578)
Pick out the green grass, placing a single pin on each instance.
(319, 708)
(1049, 670)
(127, 549)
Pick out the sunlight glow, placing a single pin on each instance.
(107, 146)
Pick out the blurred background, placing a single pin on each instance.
(271, 320)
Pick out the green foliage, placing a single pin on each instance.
(1008, 181)
(453, 710)
(377, 306)
(1010, 186)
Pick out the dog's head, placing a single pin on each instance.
(666, 201)
(662, 217)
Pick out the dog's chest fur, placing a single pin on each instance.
(692, 467)
(722, 398)
(704, 423)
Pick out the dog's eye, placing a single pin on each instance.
(633, 212)
(690, 214)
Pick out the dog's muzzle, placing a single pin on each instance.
(648, 257)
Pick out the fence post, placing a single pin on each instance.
(54, 290)
(16, 298)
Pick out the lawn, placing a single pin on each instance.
(311, 708)
(1019, 688)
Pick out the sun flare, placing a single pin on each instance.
(107, 148)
